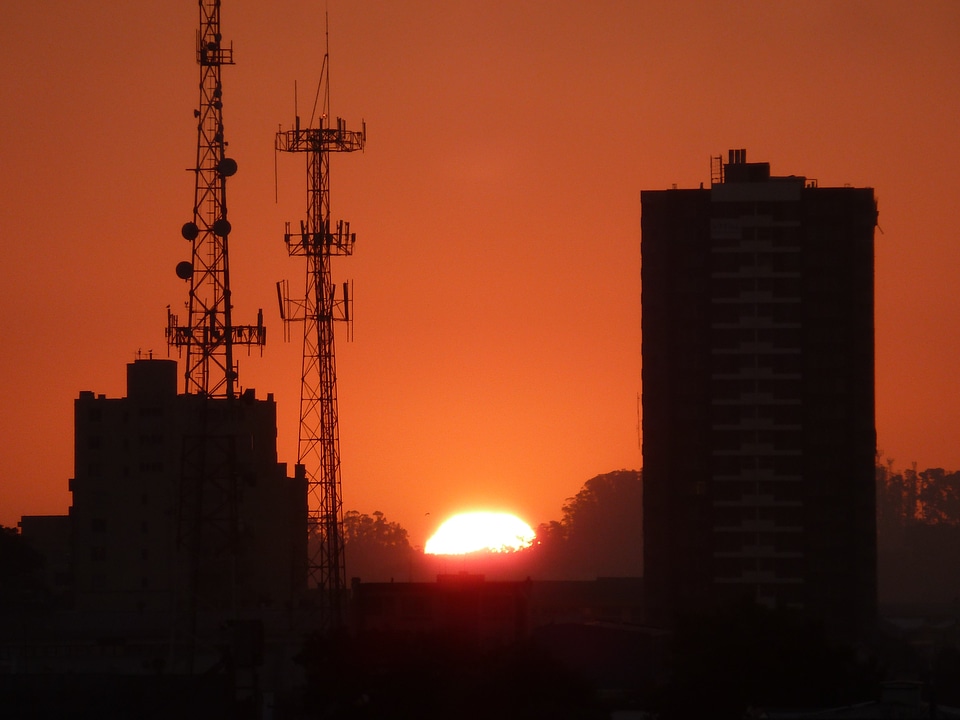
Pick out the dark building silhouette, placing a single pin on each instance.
(758, 396)
(49, 536)
(128, 504)
(490, 613)
(122, 564)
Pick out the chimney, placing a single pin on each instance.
(737, 157)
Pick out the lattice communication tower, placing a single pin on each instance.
(319, 441)
(209, 335)
(207, 501)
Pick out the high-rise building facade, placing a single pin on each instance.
(759, 442)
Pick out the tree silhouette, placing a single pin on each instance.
(375, 549)
(930, 497)
(601, 533)
(918, 534)
(604, 525)
(939, 496)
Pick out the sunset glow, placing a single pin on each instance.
(497, 212)
(473, 531)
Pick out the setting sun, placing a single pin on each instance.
(473, 531)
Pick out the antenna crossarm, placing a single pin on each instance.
(335, 307)
(337, 139)
(339, 242)
(183, 335)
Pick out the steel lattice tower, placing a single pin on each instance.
(319, 441)
(207, 500)
(210, 334)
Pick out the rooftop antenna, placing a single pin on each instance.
(318, 241)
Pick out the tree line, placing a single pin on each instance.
(599, 534)
(918, 534)
(928, 497)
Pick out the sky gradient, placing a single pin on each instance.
(496, 361)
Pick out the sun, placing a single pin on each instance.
(469, 532)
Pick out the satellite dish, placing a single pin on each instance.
(185, 270)
(222, 227)
(190, 231)
(227, 167)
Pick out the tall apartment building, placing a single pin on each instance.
(759, 440)
(131, 514)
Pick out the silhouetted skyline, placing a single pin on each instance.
(496, 362)
(758, 413)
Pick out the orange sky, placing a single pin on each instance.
(497, 355)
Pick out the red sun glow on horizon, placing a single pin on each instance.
(475, 531)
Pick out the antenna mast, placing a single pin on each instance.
(207, 501)
(210, 334)
(319, 441)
